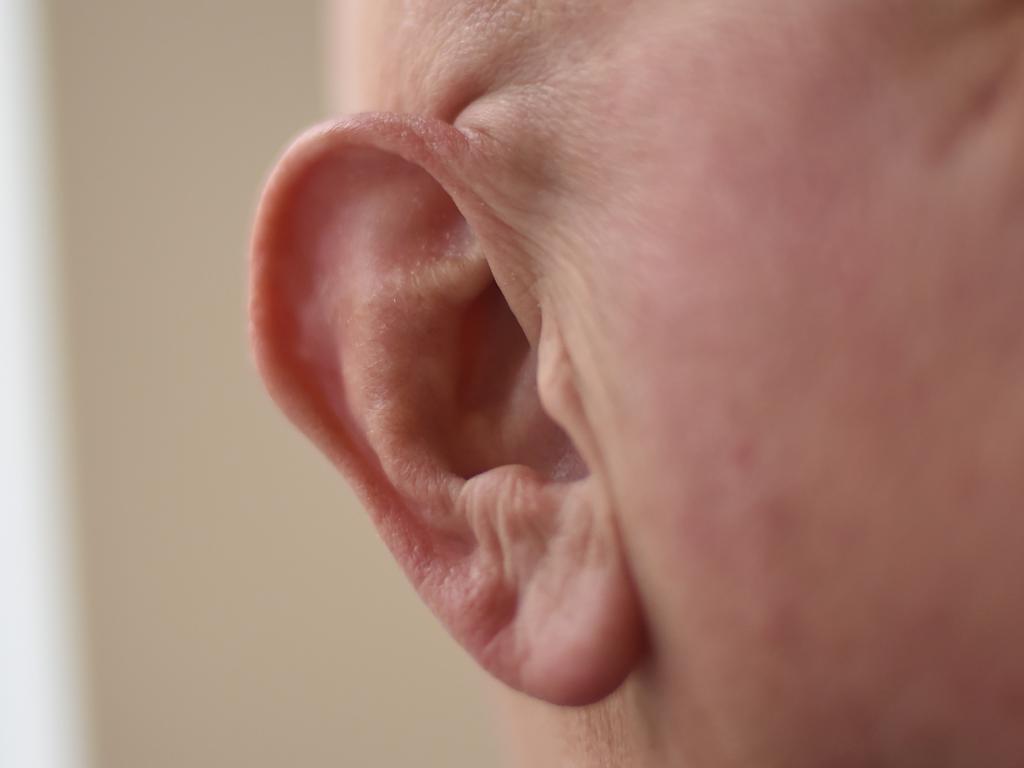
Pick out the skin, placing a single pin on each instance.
(746, 437)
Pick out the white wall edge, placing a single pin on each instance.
(41, 714)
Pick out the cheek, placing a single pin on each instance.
(816, 448)
(826, 532)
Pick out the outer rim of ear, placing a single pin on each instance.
(430, 144)
(436, 147)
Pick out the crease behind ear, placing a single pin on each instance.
(381, 332)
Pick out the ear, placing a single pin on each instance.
(380, 331)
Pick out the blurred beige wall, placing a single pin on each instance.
(238, 608)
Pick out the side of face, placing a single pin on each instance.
(681, 343)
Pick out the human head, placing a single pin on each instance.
(681, 343)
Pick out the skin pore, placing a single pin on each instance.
(763, 266)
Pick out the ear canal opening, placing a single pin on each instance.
(496, 391)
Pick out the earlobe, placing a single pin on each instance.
(379, 329)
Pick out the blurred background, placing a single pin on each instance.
(183, 581)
